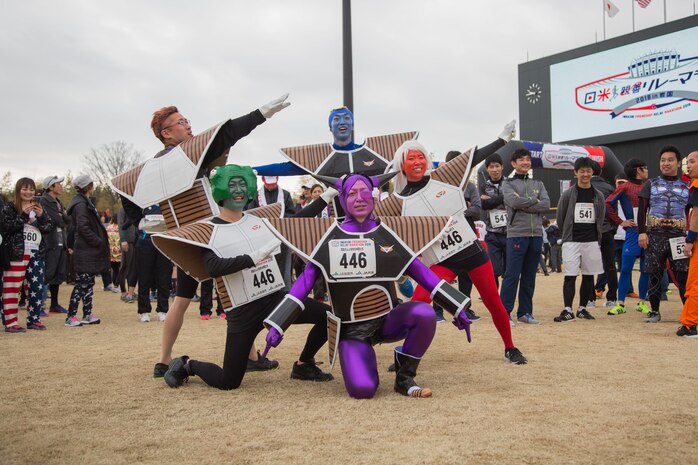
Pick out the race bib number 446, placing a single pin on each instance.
(263, 279)
(457, 237)
(352, 258)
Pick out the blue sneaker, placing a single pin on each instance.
(406, 288)
(528, 319)
(439, 315)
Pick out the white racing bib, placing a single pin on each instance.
(352, 258)
(677, 245)
(263, 279)
(32, 238)
(584, 213)
(457, 237)
(498, 218)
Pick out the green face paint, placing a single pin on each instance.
(237, 187)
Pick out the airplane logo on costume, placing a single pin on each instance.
(256, 227)
(440, 194)
(386, 248)
(369, 162)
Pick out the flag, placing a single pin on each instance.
(611, 9)
(643, 3)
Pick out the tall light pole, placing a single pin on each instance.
(347, 59)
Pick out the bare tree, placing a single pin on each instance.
(110, 160)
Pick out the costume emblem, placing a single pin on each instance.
(386, 248)
(256, 227)
(369, 162)
(440, 194)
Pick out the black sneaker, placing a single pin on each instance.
(160, 370)
(514, 355)
(177, 373)
(471, 315)
(689, 332)
(653, 317)
(261, 364)
(309, 371)
(565, 315)
(584, 314)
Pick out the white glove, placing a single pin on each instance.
(559, 242)
(329, 194)
(509, 131)
(274, 106)
(264, 251)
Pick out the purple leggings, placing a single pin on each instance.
(415, 322)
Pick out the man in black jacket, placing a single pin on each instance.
(608, 243)
(57, 241)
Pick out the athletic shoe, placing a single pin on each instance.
(162, 316)
(309, 371)
(110, 288)
(222, 316)
(38, 325)
(584, 314)
(261, 364)
(610, 304)
(653, 317)
(160, 370)
(43, 314)
(57, 309)
(15, 329)
(565, 315)
(617, 309)
(512, 323)
(599, 294)
(632, 295)
(72, 321)
(177, 372)
(206, 316)
(153, 297)
(196, 298)
(129, 299)
(471, 315)
(514, 355)
(145, 317)
(528, 319)
(642, 307)
(439, 315)
(689, 332)
(591, 304)
(90, 320)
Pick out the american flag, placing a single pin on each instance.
(643, 3)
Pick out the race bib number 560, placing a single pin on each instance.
(352, 258)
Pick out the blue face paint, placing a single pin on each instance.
(342, 126)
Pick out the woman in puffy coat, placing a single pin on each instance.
(24, 224)
(90, 251)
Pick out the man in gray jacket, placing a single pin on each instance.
(580, 215)
(526, 200)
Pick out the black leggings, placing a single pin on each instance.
(586, 289)
(654, 290)
(238, 345)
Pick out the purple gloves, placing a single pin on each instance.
(460, 321)
(274, 339)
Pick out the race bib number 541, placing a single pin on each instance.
(352, 258)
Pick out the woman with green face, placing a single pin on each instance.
(247, 265)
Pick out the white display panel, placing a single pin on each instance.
(651, 83)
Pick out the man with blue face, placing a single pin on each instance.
(341, 123)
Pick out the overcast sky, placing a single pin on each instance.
(77, 74)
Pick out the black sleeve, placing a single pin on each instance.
(289, 206)
(487, 150)
(217, 266)
(45, 224)
(230, 132)
(494, 202)
(134, 213)
(312, 209)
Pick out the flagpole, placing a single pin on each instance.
(604, 18)
(664, 11)
(632, 2)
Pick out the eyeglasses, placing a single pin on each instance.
(181, 122)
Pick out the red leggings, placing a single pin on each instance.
(483, 280)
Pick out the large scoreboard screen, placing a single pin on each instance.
(640, 85)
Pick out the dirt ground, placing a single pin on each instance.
(611, 391)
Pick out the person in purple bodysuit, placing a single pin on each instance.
(412, 321)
